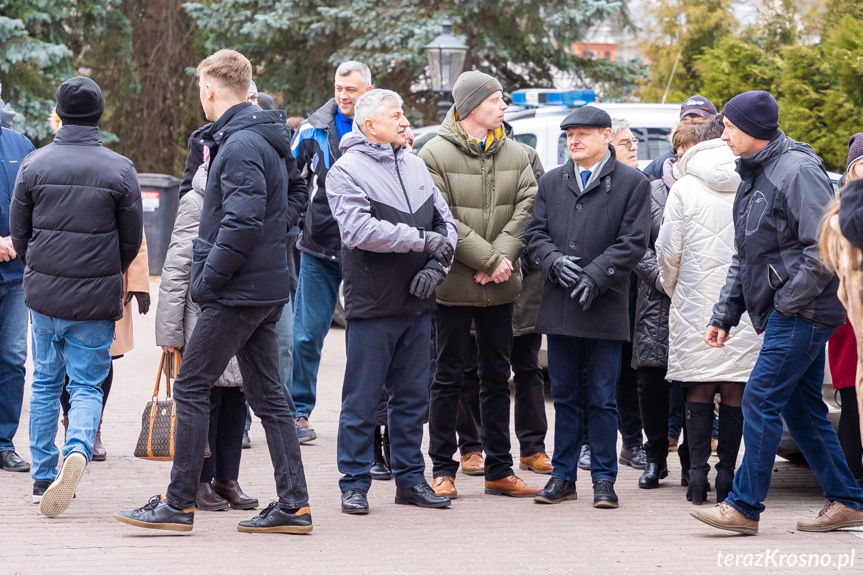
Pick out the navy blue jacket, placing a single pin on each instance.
(239, 257)
(316, 147)
(76, 222)
(783, 193)
(14, 147)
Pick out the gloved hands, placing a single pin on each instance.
(428, 278)
(585, 291)
(566, 271)
(143, 301)
(439, 248)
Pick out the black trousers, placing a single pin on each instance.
(531, 424)
(221, 333)
(628, 413)
(106, 390)
(494, 343)
(653, 391)
(849, 431)
(227, 423)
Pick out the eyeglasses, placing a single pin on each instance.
(629, 144)
(252, 98)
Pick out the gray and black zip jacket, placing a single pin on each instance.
(384, 201)
(783, 192)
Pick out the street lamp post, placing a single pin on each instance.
(446, 55)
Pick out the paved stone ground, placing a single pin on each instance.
(650, 532)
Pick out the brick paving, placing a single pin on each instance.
(650, 532)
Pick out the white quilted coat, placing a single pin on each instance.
(694, 250)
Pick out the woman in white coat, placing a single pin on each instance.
(694, 249)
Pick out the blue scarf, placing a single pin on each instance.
(343, 124)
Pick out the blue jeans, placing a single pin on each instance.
(285, 330)
(317, 290)
(569, 359)
(401, 362)
(13, 355)
(80, 349)
(786, 383)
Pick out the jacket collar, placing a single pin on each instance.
(71, 135)
(325, 116)
(452, 131)
(747, 166)
(569, 174)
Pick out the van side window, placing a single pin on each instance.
(562, 150)
(528, 139)
(657, 143)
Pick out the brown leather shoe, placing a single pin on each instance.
(231, 491)
(512, 486)
(538, 463)
(99, 452)
(833, 515)
(672, 443)
(445, 486)
(473, 464)
(724, 516)
(208, 500)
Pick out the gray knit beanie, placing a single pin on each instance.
(470, 89)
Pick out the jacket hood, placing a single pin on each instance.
(325, 115)
(357, 141)
(268, 123)
(454, 132)
(713, 163)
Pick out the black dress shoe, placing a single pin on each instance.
(9, 461)
(634, 457)
(354, 502)
(556, 491)
(273, 519)
(380, 471)
(652, 474)
(604, 496)
(421, 495)
(157, 514)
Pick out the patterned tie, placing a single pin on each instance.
(585, 176)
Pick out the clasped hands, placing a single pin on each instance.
(501, 273)
(566, 271)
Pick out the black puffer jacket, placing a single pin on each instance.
(76, 222)
(239, 256)
(650, 340)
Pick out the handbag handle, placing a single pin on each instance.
(164, 365)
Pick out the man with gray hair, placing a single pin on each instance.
(316, 147)
(398, 240)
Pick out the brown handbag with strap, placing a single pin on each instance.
(158, 422)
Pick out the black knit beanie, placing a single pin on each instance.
(755, 113)
(80, 102)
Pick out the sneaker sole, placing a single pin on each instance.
(59, 495)
(406, 501)
(527, 467)
(159, 526)
(825, 529)
(292, 529)
(37, 499)
(736, 529)
(311, 437)
(570, 497)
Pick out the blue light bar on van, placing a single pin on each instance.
(550, 97)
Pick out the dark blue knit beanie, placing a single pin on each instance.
(755, 113)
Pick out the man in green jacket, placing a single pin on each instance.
(486, 179)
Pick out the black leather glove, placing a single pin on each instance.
(143, 301)
(585, 291)
(566, 271)
(439, 248)
(428, 278)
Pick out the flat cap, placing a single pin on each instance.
(589, 116)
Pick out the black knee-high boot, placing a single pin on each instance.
(730, 434)
(699, 426)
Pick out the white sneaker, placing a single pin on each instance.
(58, 496)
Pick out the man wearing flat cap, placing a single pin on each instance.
(589, 230)
(76, 221)
(487, 180)
(777, 276)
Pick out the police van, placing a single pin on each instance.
(536, 113)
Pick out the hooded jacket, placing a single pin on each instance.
(176, 313)
(783, 193)
(239, 256)
(316, 148)
(384, 200)
(14, 147)
(694, 250)
(76, 222)
(491, 196)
